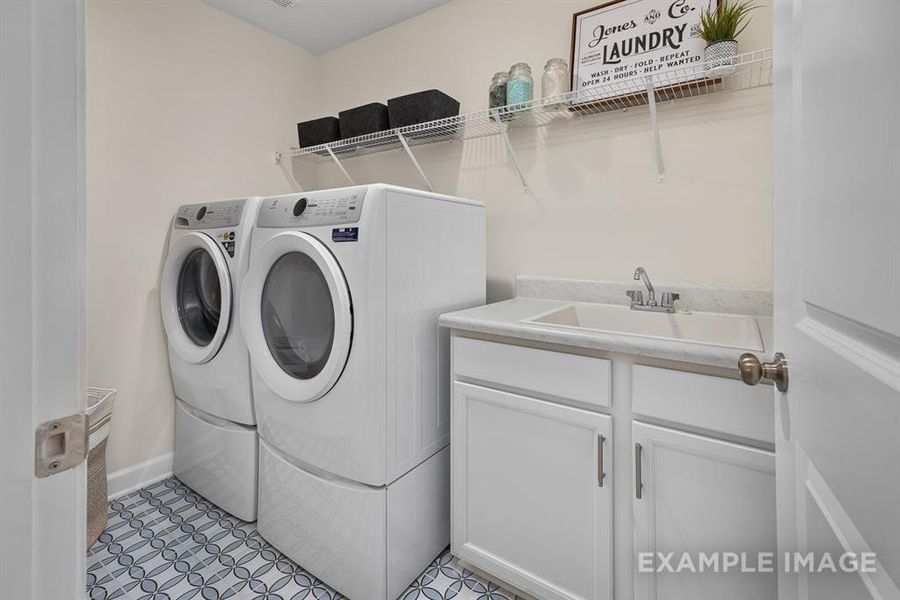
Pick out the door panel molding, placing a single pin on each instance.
(874, 351)
(811, 485)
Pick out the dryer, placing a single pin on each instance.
(351, 375)
(215, 424)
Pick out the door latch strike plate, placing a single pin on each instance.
(60, 444)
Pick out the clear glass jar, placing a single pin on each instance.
(497, 93)
(555, 81)
(520, 87)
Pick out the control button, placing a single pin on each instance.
(231, 235)
(299, 207)
(201, 213)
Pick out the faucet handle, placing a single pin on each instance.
(637, 297)
(668, 299)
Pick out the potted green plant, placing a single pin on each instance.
(719, 28)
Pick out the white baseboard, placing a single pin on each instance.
(140, 475)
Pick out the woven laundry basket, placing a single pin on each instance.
(99, 416)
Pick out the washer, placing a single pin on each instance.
(351, 375)
(215, 424)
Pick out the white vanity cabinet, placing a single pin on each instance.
(697, 494)
(532, 429)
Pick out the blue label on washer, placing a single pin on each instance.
(345, 234)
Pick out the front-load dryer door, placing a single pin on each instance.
(195, 297)
(296, 315)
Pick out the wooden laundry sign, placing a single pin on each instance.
(617, 46)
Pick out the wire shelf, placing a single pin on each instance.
(745, 71)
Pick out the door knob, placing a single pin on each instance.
(753, 371)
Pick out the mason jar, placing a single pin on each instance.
(520, 87)
(497, 93)
(555, 82)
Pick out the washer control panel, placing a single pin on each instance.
(332, 207)
(211, 215)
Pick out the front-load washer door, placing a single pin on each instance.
(296, 316)
(195, 297)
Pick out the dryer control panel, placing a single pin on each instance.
(330, 207)
(212, 215)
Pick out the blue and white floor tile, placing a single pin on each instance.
(167, 542)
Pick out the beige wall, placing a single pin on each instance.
(185, 103)
(596, 210)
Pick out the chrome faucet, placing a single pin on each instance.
(641, 274)
(666, 304)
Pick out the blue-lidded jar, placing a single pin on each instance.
(520, 87)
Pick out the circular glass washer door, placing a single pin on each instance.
(195, 297)
(296, 316)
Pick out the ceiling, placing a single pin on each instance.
(321, 25)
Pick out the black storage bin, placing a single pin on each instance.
(362, 120)
(318, 131)
(421, 107)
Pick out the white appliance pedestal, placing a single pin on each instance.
(367, 542)
(217, 459)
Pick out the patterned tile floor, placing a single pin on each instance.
(165, 541)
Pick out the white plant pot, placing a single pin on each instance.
(720, 58)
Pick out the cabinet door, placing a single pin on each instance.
(531, 493)
(695, 495)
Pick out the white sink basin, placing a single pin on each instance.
(732, 331)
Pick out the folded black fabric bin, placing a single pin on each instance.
(421, 107)
(318, 131)
(362, 120)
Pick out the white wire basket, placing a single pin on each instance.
(99, 417)
(99, 414)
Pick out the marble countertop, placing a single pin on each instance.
(507, 319)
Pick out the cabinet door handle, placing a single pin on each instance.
(601, 473)
(638, 475)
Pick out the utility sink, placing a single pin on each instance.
(732, 331)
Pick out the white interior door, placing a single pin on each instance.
(837, 290)
(42, 238)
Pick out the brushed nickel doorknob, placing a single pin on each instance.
(753, 371)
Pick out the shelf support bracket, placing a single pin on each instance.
(654, 127)
(504, 131)
(412, 157)
(340, 166)
(288, 174)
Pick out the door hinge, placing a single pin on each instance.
(60, 444)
